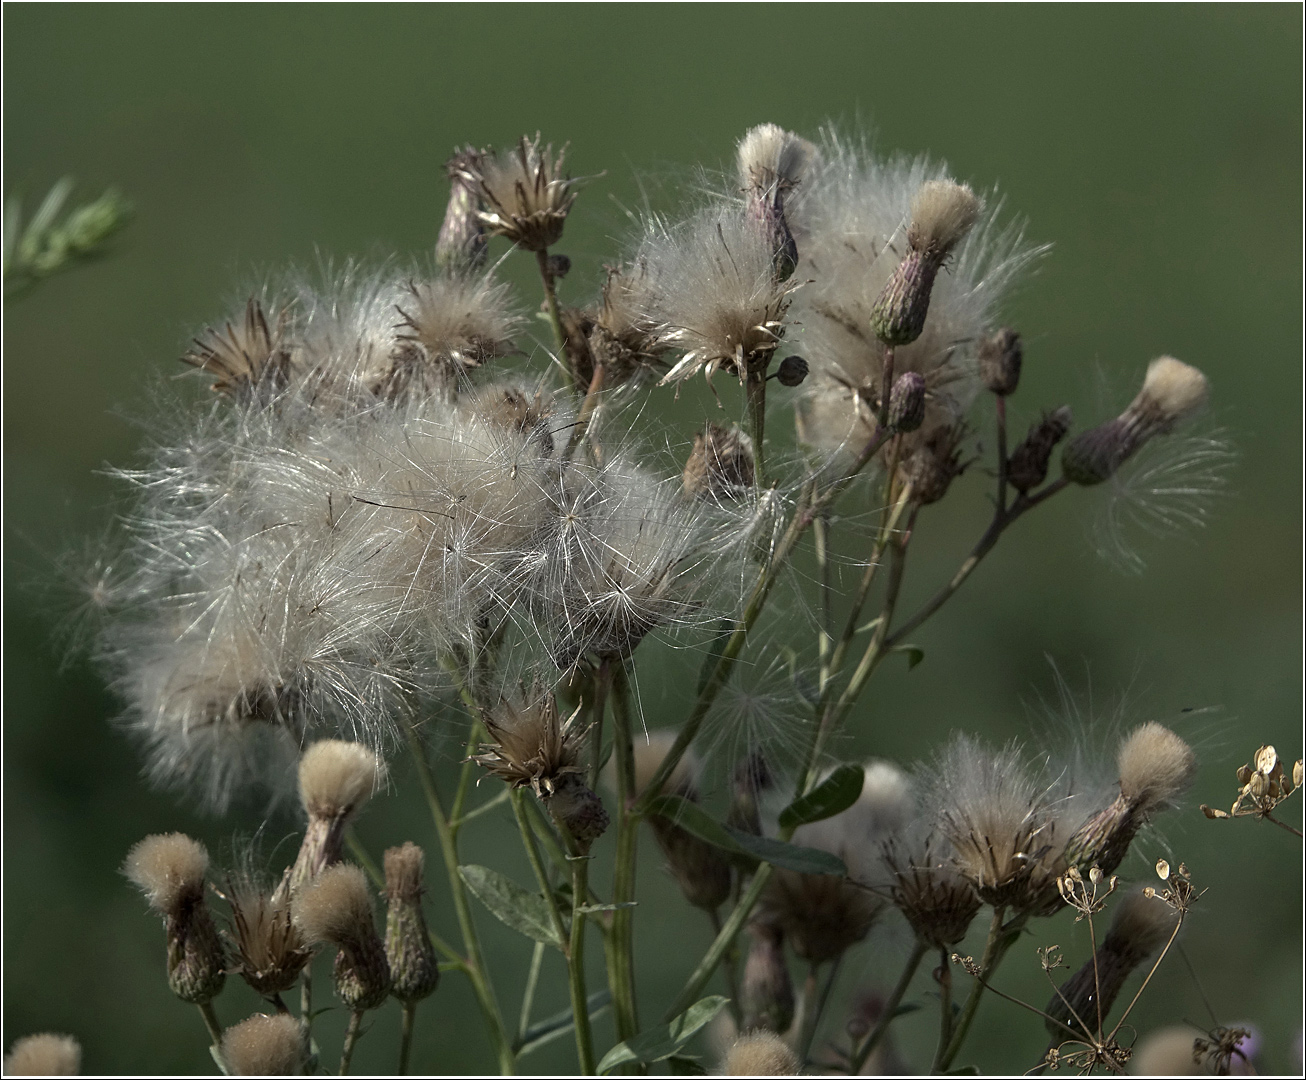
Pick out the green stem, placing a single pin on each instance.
(755, 391)
(537, 865)
(352, 1034)
(1002, 453)
(211, 1022)
(576, 965)
(890, 1008)
(814, 1010)
(551, 300)
(528, 995)
(995, 947)
(945, 1009)
(619, 943)
(824, 639)
(306, 999)
(471, 941)
(408, 1018)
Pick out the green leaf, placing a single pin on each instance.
(915, 654)
(590, 909)
(831, 796)
(685, 1065)
(693, 819)
(543, 1032)
(661, 1042)
(526, 912)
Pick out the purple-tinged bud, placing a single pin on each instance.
(907, 402)
(1027, 467)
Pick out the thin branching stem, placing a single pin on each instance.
(619, 942)
(887, 1014)
(1283, 825)
(528, 994)
(995, 947)
(537, 865)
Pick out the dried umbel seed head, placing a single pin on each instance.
(792, 371)
(270, 950)
(1027, 467)
(766, 994)
(907, 402)
(933, 464)
(524, 196)
(1156, 766)
(336, 779)
(462, 245)
(169, 869)
(44, 1055)
(414, 968)
(760, 1053)
(771, 164)
(264, 1046)
(448, 327)
(936, 900)
(337, 908)
(942, 212)
(246, 357)
(1141, 925)
(1000, 356)
(1171, 391)
(720, 467)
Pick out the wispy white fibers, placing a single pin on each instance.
(850, 220)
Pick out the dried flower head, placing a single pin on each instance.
(450, 325)
(413, 964)
(1171, 391)
(720, 466)
(270, 950)
(45, 1054)
(925, 886)
(1000, 356)
(933, 463)
(247, 357)
(336, 907)
(461, 245)
(772, 162)
(766, 993)
(264, 1046)
(169, 869)
(1027, 467)
(524, 196)
(761, 1053)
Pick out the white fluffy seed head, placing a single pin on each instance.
(649, 755)
(169, 869)
(1171, 389)
(770, 157)
(1156, 766)
(46, 1054)
(264, 1046)
(336, 906)
(760, 1053)
(337, 777)
(942, 213)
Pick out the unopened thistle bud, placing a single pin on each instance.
(336, 907)
(771, 163)
(766, 994)
(44, 1055)
(792, 371)
(413, 965)
(907, 402)
(1155, 766)
(532, 747)
(933, 464)
(462, 245)
(1171, 391)
(169, 869)
(264, 1046)
(336, 779)
(559, 266)
(524, 196)
(720, 467)
(1139, 927)
(1000, 356)
(270, 950)
(942, 212)
(1027, 467)
(760, 1053)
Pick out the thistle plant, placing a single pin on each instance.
(399, 523)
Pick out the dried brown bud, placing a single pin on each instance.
(907, 402)
(792, 371)
(720, 467)
(270, 950)
(246, 358)
(937, 901)
(559, 266)
(1000, 356)
(701, 870)
(1027, 467)
(44, 1055)
(523, 195)
(934, 464)
(462, 244)
(577, 809)
(766, 994)
(413, 965)
(771, 163)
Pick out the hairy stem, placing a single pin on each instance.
(576, 965)
(537, 865)
(619, 943)
(211, 1022)
(551, 300)
(475, 961)
(407, 1019)
(890, 1008)
(755, 391)
(352, 1035)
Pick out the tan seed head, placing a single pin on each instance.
(46, 1054)
(264, 1046)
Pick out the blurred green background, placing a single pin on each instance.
(1158, 148)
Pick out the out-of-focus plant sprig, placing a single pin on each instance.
(57, 239)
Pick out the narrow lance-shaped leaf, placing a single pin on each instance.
(831, 796)
(662, 1041)
(526, 912)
